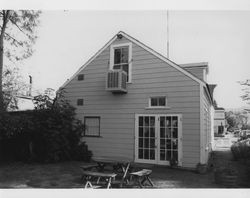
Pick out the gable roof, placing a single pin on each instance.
(160, 56)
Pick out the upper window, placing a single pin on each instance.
(121, 58)
(158, 101)
(92, 126)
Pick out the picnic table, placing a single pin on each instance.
(119, 164)
(89, 175)
(120, 167)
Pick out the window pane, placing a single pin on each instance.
(146, 153)
(175, 143)
(152, 121)
(117, 66)
(162, 155)
(140, 121)
(152, 143)
(146, 121)
(168, 143)
(153, 101)
(117, 56)
(168, 133)
(152, 132)
(162, 101)
(162, 122)
(140, 142)
(140, 131)
(162, 132)
(162, 144)
(92, 126)
(140, 153)
(175, 132)
(146, 132)
(152, 154)
(124, 55)
(125, 68)
(175, 121)
(168, 155)
(168, 120)
(146, 143)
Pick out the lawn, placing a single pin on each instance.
(68, 174)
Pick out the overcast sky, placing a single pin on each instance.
(67, 39)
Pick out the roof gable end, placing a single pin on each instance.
(150, 50)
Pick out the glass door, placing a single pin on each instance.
(158, 139)
(146, 139)
(168, 139)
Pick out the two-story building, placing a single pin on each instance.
(138, 104)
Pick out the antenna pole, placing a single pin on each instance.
(167, 34)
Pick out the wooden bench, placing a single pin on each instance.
(88, 167)
(89, 175)
(142, 176)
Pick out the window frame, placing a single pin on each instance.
(99, 119)
(78, 100)
(111, 61)
(158, 107)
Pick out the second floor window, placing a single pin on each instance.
(121, 58)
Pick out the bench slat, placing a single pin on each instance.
(142, 172)
(98, 174)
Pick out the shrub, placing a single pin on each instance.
(50, 133)
(241, 149)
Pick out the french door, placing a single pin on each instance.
(158, 138)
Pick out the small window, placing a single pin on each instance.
(79, 102)
(92, 126)
(159, 101)
(80, 77)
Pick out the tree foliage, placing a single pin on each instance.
(50, 133)
(13, 85)
(17, 36)
(237, 120)
(246, 89)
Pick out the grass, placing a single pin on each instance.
(68, 175)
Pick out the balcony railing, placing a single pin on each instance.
(116, 81)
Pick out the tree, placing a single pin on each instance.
(246, 89)
(13, 45)
(231, 119)
(12, 86)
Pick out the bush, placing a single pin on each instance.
(241, 149)
(50, 133)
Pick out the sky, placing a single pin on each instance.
(67, 39)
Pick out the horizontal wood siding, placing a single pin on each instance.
(150, 77)
(198, 72)
(206, 133)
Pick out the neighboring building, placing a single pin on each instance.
(219, 120)
(138, 104)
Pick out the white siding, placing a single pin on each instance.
(206, 133)
(150, 76)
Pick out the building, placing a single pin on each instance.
(219, 120)
(138, 104)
